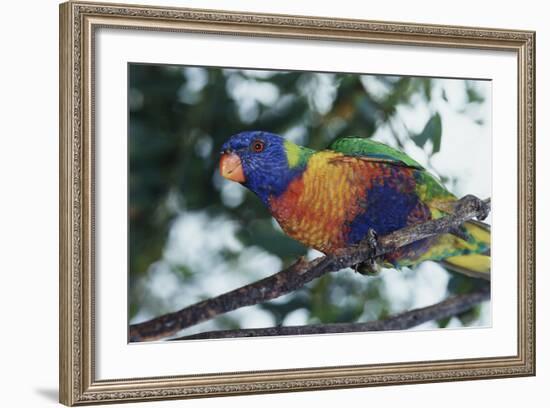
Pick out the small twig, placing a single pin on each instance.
(447, 308)
(302, 272)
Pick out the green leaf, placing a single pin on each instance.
(427, 88)
(436, 138)
(473, 95)
(442, 323)
(432, 131)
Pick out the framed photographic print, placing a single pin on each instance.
(260, 203)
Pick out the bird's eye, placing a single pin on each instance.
(258, 146)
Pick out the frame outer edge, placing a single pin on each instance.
(526, 204)
(76, 372)
(534, 202)
(530, 169)
(66, 306)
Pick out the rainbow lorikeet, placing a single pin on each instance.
(334, 198)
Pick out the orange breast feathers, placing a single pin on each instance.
(318, 206)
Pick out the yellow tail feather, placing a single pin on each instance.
(477, 265)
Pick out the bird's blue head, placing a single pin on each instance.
(263, 162)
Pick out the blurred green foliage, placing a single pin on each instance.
(180, 116)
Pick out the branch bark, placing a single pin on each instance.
(302, 272)
(447, 308)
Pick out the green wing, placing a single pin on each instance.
(371, 150)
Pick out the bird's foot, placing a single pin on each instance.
(369, 267)
(372, 239)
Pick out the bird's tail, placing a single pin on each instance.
(467, 250)
(476, 261)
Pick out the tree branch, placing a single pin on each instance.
(447, 308)
(302, 272)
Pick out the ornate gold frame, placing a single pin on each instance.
(78, 22)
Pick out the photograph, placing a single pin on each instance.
(243, 204)
(253, 202)
(243, 181)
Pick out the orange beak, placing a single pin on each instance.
(231, 167)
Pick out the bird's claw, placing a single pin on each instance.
(369, 266)
(372, 240)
